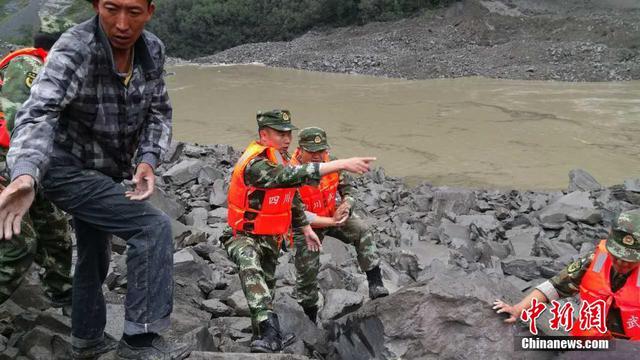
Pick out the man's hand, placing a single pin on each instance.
(145, 182)
(340, 216)
(358, 165)
(311, 238)
(15, 201)
(502, 307)
(344, 210)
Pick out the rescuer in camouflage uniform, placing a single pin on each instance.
(257, 255)
(345, 226)
(45, 236)
(623, 244)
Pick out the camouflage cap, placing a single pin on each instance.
(313, 139)
(275, 119)
(51, 24)
(624, 240)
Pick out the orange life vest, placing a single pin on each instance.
(321, 199)
(37, 52)
(274, 216)
(595, 285)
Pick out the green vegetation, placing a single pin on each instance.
(192, 28)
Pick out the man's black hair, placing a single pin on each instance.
(45, 41)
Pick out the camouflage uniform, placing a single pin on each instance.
(354, 231)
(45, 236)
(257, 255)
(567, 282)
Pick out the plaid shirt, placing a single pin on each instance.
(80, 103)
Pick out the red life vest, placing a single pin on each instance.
(274, 216)
(37, 52)
(321, 199)
(595, 285)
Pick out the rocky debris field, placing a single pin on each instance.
(447, 254)
(569, 40)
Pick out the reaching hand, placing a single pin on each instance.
(340, 216)
(502, 307)
(15, 201)
(311, 238)
(145, 182)
(358, 165)
(344, 209)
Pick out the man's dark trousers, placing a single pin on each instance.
(99, 208)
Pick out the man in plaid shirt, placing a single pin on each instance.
(99, 113)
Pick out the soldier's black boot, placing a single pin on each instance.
(376, 287)
(286, 339)
(269, 340)
(311, 312)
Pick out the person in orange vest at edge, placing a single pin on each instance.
(326, 218)
(610, 274)
(263, 205)
(46, 237)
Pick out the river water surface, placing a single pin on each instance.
(472, 132)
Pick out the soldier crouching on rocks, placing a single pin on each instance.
(609, 276)
(263, 205)
(328, 219)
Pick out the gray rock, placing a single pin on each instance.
(183, 172)
(167, 203)
(115, 320)
(577, 204)
(553, 248)
(218, 196)
(197, 217)
(523, 240)
(448, 231)
(456, 201)
(632, 185)
(218, 215)
(202, 339)
(526, 268)
(43, 344)
(580, 180)
(486, 223)
(216, 308)
(184, 256)
(194, 238)
(339, 302)
(238, 303)
(179, 232)
(451, 311)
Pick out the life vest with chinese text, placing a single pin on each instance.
(320, 199)
(274, 215)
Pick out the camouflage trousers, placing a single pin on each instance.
(45, 238)
(307, 263)
(256, 257)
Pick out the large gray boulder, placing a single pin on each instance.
(183, 172)
(580, 180)
(448, 316)
(576, 207)
(456, 201)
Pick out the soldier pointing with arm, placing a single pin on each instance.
(263, 204)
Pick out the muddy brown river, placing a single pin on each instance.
(471, 132)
